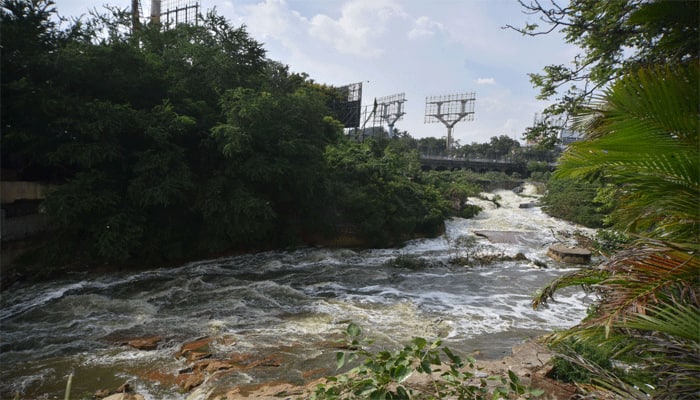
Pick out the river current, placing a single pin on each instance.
(290, 303)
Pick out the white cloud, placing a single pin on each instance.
(424, 27)
(485, 81)
(359, 27)
(272, 19)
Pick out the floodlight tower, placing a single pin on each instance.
(449, 110)
(174, 11)
(390, 109)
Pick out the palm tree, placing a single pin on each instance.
(643, 139)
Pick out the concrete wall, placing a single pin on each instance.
(20, 218)
(11, 191)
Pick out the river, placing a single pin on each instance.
(289, 303)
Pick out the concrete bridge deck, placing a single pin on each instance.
(476, 165)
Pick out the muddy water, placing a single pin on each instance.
(285, 303)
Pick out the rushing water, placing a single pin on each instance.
(284, 302)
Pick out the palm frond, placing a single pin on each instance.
(643, 135)
(586, 278)
(605, 384)
(668, 338)
(675, 319)
(643, 277)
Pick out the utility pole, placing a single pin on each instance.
(135, 16)
(155, 11)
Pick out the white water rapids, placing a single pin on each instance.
(286, 302)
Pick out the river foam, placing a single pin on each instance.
(293, 300)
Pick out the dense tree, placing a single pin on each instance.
(378, 196)
(615, 37)
(431, 146)
(575, 200)
(274, 146)
(173, 142)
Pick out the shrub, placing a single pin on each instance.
(385, 374)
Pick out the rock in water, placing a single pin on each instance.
(573, 255)
(146, 343)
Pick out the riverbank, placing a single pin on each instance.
(529, 361)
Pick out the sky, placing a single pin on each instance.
(421, 48)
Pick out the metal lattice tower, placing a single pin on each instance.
(174, 11)
(449, 110)
(387, 109)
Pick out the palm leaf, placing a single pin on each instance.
(669, 335)
(643, 276)
(586, 278)
(643, 135)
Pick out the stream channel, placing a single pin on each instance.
(289, 304)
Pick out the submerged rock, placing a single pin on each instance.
(145, 343)
(573, 255)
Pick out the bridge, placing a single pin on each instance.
(477, 165)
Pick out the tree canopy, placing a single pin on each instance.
(614, 38)
(174, 141)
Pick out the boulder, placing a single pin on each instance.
(196, 349)
(145, 343)
(190, 381)
(569, 254)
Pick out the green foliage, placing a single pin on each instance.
(615, 38)
(643, 140)
(175, 142)
(386, 375)
(539, 171)
(567, 371)
(608, 241)
(574, 200)
(653, 106)
(376, 190)
(456, 187)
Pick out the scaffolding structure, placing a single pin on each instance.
(174, 12)
(449, 110)
(385, 110)
(347, 104)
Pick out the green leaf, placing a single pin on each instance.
(339, 359)
(425, 367)
(402, 393)
(420, 342)
(353, 330)
(401, 373)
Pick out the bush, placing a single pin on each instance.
(574, 200)
(384, 375)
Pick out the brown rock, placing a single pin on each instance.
(196, 346)
(217, 365)
(145, 343)
(164, 378)
(191, 356)
(190, 381)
